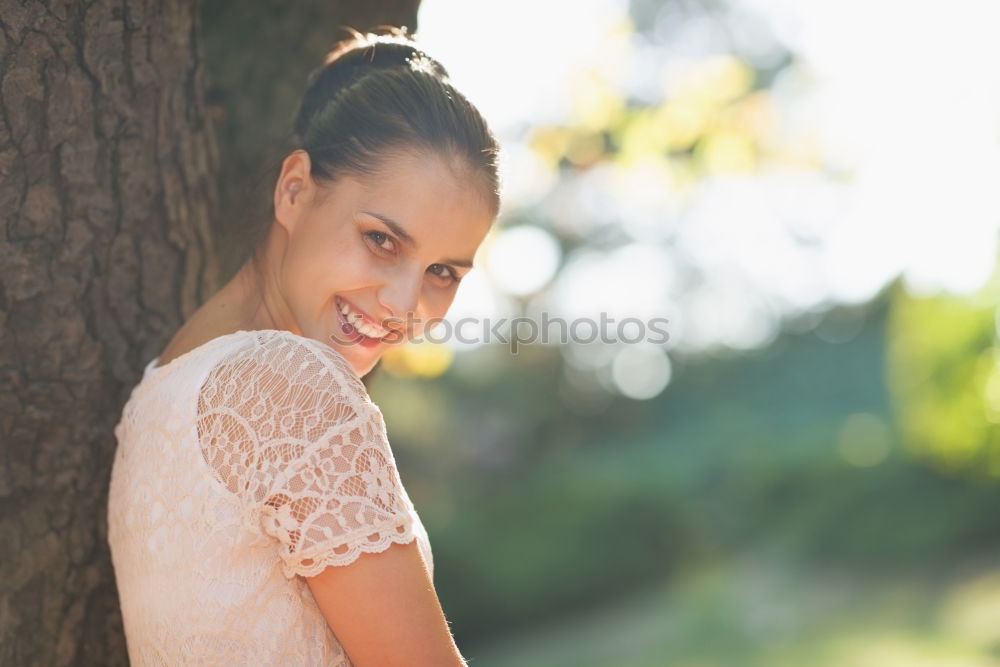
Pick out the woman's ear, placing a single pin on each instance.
(292, 189)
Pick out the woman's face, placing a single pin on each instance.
(390, 248)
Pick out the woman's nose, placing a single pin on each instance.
(401, 297)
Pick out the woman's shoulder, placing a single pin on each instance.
(299, 369)
(288, 352)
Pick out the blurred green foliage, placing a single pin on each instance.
(944, 375)
(545, 512)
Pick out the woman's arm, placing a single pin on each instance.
(384, 610)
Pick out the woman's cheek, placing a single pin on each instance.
(430, 314)
(439, 300)
(354, 266)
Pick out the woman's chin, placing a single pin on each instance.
(362, 360)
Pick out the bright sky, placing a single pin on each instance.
(901, 96)
(513, 58)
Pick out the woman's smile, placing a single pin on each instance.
(357, 325)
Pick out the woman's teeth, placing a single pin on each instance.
(358, 322)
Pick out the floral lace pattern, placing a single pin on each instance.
(245, 462)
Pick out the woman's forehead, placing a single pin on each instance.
(424, 199)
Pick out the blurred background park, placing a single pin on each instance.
(807, 472)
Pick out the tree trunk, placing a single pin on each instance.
(109, 177)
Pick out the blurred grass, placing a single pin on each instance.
(759, 610)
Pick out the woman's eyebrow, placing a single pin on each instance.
(394, 226)
(402, 233)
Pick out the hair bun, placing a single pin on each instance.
(351, 58)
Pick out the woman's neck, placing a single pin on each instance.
(253, 295)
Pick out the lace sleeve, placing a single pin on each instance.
(292, 431)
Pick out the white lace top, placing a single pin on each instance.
(242, 463)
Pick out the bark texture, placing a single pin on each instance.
(106, 188)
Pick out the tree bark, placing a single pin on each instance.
(109, 192)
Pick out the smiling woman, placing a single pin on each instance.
(255, 513)
(388, 248)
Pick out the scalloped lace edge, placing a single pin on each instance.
(328, 557)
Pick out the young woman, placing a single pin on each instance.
(256, 516)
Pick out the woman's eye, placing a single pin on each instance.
(379, 238)
(444, 272)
